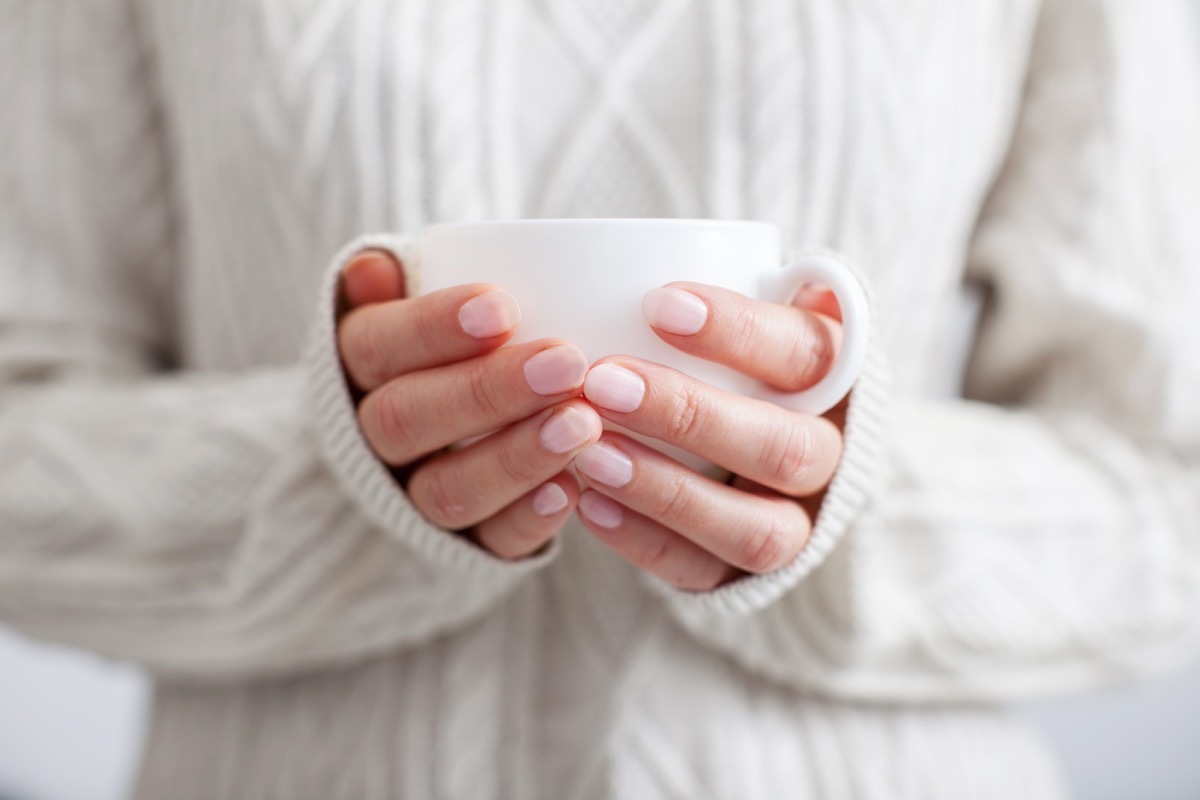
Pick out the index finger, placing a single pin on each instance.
(382, 341)
(787, 347)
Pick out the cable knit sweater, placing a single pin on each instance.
(182, 483)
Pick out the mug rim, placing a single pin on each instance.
(599, 222)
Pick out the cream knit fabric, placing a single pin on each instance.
(182, 483)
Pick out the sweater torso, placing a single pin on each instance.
(871, 128)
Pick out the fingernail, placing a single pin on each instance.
(614, 388)
(549, 499)
(600, 510)
(569, 429)
(606, 464)
(674, 310)
(556, 370)
(489, 314)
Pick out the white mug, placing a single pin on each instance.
(583, 280)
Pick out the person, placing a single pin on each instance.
(225, 453)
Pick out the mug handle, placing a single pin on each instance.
(856, 318)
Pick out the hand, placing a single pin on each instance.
(433, 373)
(690, 530)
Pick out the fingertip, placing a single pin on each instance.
(550, 499)
(530, 524)
(817, 296)
(600, 510)
(489, 314)
(572, 427)
(372, 276)
(674, 310)
(611, 386)
(555, 370)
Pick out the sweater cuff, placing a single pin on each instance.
(844, 500)
(363, 477)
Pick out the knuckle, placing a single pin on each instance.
(675, 505)
(688, 414)
(362, 349)
(704, 580)
(811, 354)
(503, 547)
(484, 390)
(655, 557)
(744, 333)
(439, 498)
(430, 335)
(768, 546)
(787, 457)
(518, 467)
(524, 539)
(390, 418)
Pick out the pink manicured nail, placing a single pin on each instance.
(549, 499)
(600, 510)
(556, 370)
(489, 314)
(674, 310)
(614, 388)
(569, 429)
(605, 464)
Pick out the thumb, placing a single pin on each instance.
(818, 297)
(372, 276)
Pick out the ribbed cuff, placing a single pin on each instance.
(365, 478)
(846, 496)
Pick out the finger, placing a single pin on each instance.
(652, 547)
(529, 524)
(796, 454)
(753, 532)
(811, 504)
(381, 341)
(461, 488)
(372, 276)
(787, 347)
(837, 414)
(819, 298)
(424, 411)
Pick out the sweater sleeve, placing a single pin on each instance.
(1043, 533)
(207, 525)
